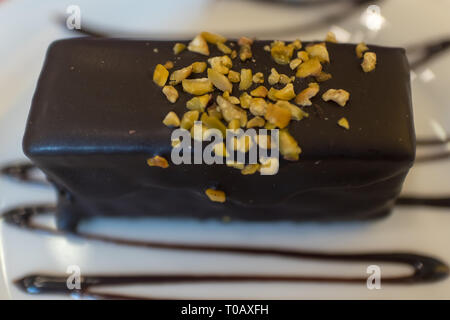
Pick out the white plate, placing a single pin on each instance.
(27, 30)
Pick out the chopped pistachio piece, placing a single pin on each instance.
(256, 122)
(281, 52)
(331, 37)
(199, 45)
(246, 79)
(303, 98)
(289, 148)
(198, 103)
(221, 64)
(295, 63)
(369, 62)
(278, 116)
(343, 122)
(312, 67)
(274, 77)
(258, 106)
(318, 51)
(157, 161)
(230, 111)
(261, 92)
(245, 100)
(188, 119)
(296, 112)
(160, 75)
(234, 76)
(250, 168)
(339, 96)
(199, 67)
(178, 47)
(360, 49)
(258, 77)
(171, 93)
(197, 86)
(287, 93)
(224, 48)
(213, 38)
(303, 55)
(178, 75)
(323, 76)
(216, 195)
(220, 81)
(171, 120)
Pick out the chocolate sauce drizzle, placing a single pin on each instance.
(425, 268)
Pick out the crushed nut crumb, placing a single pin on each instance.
(369, 62)
(323, 76)
(295, 63)
(258, 106)
(250, 169)
(221, 64)
(287, 93)
(312, 67)
(289, 146)
(281, 53)
(331, 37)
(261, 92)
(171, 120)
(245, 100)
(258, 77)
(343, 122)
(188, 119)
(296, 112)
(178, 48)
(274, 77)
(224, 48)
(360, 49)
(171, 93)
(178, 75)
(246, 79)
(168, 65)
(157, 161)
(216, 195)
(197, 86)
(256, 122)
(199, 67)
(199, 45)
(160, 75)
(234, 76)
(339, 96)
(318, 51)
(303, 98)
(198, 103)
(213, 38)
(219, 80)
(278, 116)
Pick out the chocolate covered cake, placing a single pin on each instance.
(104, 110)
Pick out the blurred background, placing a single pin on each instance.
(27, 27)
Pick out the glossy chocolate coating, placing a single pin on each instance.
(92, 92)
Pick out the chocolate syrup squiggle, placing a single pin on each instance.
(425, 268)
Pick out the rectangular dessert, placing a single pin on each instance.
(97, 118)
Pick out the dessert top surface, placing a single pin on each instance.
(97, 96)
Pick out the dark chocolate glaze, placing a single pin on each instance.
(92, 92)
(425, 268)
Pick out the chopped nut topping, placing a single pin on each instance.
(234, 76)
(269, 126)
(261, 91)
(296, 112)
(278, 116)
(258, 77)
(168, 65)
(234, 124)
(250, 169)
(198, 103)
(212, 37)
(369, 62)
(199, 66)
(171, 93)
(246, 79)
(216, 195)
(360, 49)
(214, 111)
(303, 55)
(331, 37)
(197, 86)
(178, 75)
(318, 51)
(198, 131)
(287, 93)
(343, 122)
(199, 45)
(274, 77)
(339, 96)
(160, 75)
(220, 149)
(157, 161)
(233, 54)
(221, 64)
(297, 44)
(245, 100)
(284, 79)
(224, 48)
(289, 146)
(323, 76)
(303, 98)
(295, 63)
(269, 166)
(245, 51)
(258, 106)
(281, 53)
(171, 120)
(215, 123)
(230, 111)
(264, 141)
(178, 47)
(232, 99)
(256, 122)
(220, 81)
(188, 119)
(312, 67)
